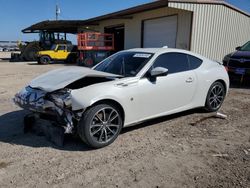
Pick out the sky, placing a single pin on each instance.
(16, 15)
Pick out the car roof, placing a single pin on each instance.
(157, 50)
(164, 50)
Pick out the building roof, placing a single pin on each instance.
(158, 4)
(71, 26)
(216, 2)
(61, 26)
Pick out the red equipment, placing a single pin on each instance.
(94, 47)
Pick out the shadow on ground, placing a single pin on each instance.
(54, 63)
(162, 119)
(4, 59)
(11, 131)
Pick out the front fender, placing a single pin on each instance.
(85, 97)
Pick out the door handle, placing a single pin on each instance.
(189, 80)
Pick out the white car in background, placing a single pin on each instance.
(129, 87)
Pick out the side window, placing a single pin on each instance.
(174, 62)
(194, 62)
(61, 47)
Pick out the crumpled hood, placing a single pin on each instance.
(59, 78)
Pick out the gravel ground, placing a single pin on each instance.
(190, 149)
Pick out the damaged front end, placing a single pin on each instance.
(48, 96)
(55, 106)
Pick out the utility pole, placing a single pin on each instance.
(58, 11)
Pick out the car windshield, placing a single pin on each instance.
(245, 47)
(127, 64)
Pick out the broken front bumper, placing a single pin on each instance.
(31, 99)
(57, 104)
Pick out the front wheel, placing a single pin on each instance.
(100, 125)
(215, 97)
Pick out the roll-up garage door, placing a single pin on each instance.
(160, 32)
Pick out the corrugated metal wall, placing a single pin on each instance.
(217, 29)
(133, 27)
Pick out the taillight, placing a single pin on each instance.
(226, 68)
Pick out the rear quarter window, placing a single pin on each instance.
(194, 62)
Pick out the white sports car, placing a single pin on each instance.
(129, 87)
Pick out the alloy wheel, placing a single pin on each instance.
(105, 125)
(216, 96)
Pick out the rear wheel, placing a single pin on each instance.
(88, 62)
(215, 97)
(100, 125)
(45, 60)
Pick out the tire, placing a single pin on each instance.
(215, 97)
(29, 52)
(88, 62)
(45, 60)
(98, 130)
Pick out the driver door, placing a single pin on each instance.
(61, 52)
(166, 94)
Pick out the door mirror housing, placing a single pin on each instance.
(158, 71)
(238, 48)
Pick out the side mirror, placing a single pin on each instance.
(238, 48)
(158, 71)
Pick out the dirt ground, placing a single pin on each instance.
(190, 149)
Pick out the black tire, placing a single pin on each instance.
(215, 97)
(95, 133)
(29, 52)
(88, 62)
(45, 60)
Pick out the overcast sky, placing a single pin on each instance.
(16, 15)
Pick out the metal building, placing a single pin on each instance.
(210, 27)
